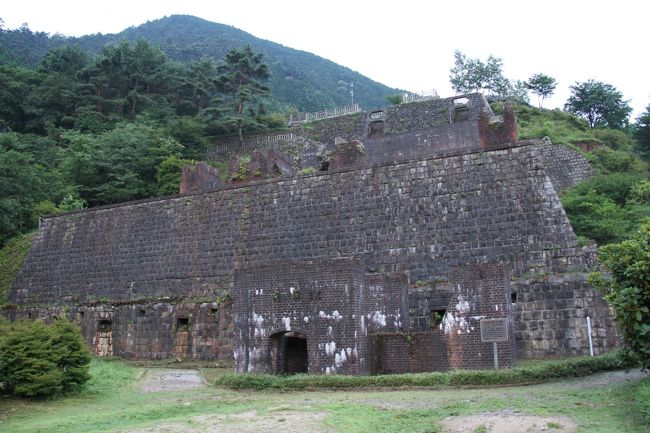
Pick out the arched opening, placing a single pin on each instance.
(289, 353)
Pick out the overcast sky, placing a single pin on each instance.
(406, 44)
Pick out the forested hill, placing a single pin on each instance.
(300, 79)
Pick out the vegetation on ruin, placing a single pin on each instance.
(12, 257)
(610, 206)
(112, 400)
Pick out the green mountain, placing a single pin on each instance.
(298, 78)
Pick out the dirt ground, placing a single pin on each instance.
(283, 418)
(505, 422)
(247, 422)
(155, 380)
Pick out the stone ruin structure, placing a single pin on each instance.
(426, 237)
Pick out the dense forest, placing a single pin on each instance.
(297, 78)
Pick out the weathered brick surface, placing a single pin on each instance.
(422, 217)
(149, 330)
(331, 303)
(410, 352)
(419, 217)
(480, 291)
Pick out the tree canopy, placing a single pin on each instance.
(473, 75)
(542, 85)
(601, 104)
(241, 83)
(642, 133)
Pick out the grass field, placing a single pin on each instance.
(113, 401)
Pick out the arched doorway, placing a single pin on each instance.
(289, 353)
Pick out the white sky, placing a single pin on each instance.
(407, 44)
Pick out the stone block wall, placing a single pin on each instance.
(148, 330)
(551, 316)
(417, 217)
(423, 217)
(564, 166)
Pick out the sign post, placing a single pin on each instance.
(494, 331)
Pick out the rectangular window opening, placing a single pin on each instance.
(104, 325)
(437, 314)
(182, 324)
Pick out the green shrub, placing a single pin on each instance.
(615, 186)
(606, 160)
(37, 360)
(613, 138)
(628, 289)
(551, 370)
(640, 192)
(596, 216)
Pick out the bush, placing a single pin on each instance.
(614, 139)
(37, 360)
(596, 216)
(628, 289)
(551, 370)
(610, 161)
(615, 186)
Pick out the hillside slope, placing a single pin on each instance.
(298, 78)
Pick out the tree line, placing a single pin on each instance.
(601, 104)
(82, 131)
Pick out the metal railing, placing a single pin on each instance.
(420, 96)
(325, 114)
(264, 141)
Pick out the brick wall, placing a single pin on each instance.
(480, 291)
(332, 304)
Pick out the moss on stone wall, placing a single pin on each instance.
(12, 257)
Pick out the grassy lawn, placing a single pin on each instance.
(112, 401)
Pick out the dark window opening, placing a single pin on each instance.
(142, 312)
(324, 166)
(513, 298)
(105, 325)
(29, 315)
(437, 314)
(376, 129)
(182, 324)
(80, 315)
(214, 311)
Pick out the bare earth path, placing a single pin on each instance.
(155, 380)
